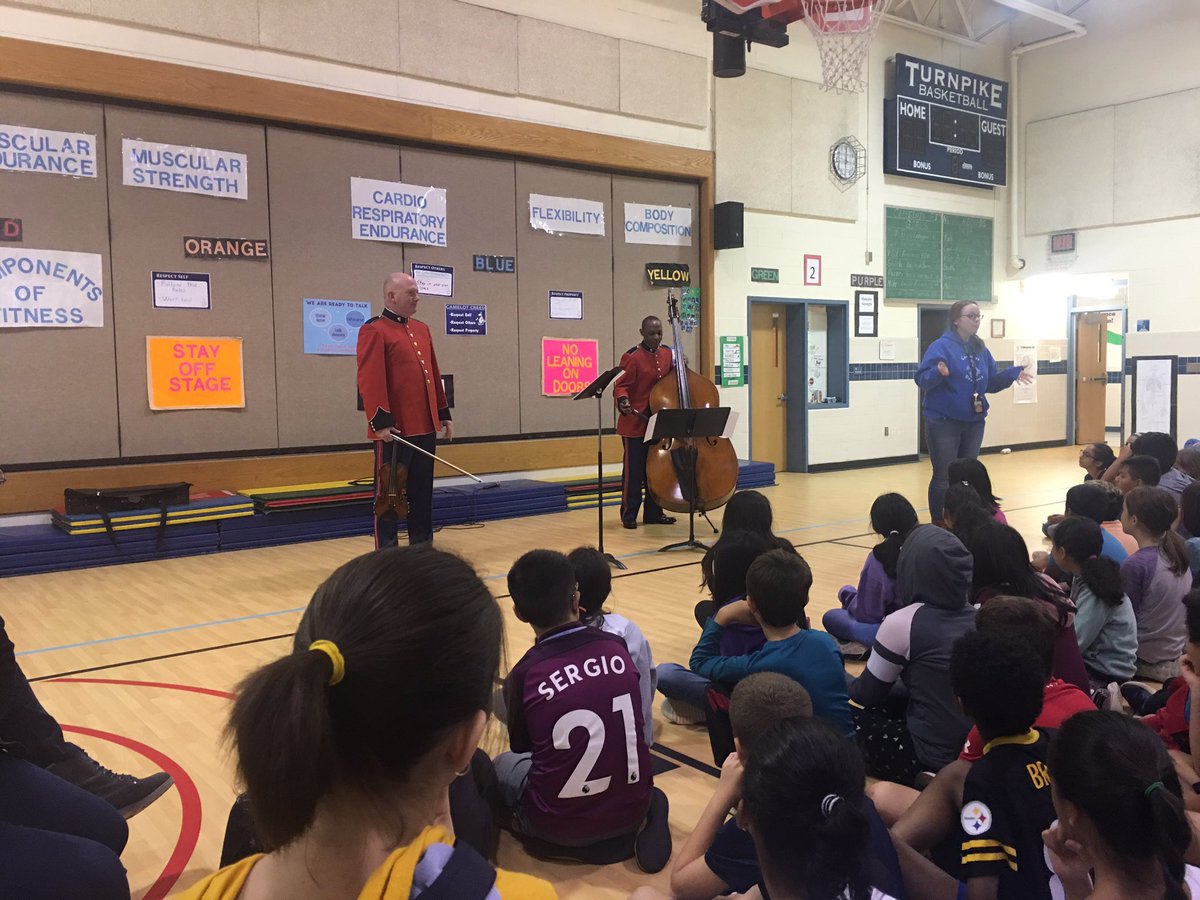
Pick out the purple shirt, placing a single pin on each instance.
(1156, 594)
(574, 703)
(875, 596)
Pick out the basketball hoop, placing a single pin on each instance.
(843, 30)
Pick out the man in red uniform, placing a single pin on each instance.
(402, 392)
(644, 366)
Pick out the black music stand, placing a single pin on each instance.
(596, 389)
(695, 422)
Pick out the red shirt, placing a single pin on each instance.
(398, 376)
(1060, 701)
(643, 370)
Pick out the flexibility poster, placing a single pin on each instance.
(331, 326)
(568, 365)
(195, 373)
(1025, 355)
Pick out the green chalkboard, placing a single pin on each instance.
(938, 256)
(914, 254)
(966, 258)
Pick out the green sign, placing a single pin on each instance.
(733, 358)
(771, 276)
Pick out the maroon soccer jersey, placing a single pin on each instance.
(574, 703)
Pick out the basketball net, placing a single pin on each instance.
(843, 30)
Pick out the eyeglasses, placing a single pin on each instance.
(974, 317)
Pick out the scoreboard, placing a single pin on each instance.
(945, 124)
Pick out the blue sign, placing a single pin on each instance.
(331, 326)
(466, 319)
(505, 265)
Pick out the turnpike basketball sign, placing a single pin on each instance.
(945, 124)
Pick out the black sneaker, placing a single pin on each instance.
(652, 845)
(128, 794)
(1136, 694)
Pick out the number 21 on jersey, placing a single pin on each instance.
(580, 784)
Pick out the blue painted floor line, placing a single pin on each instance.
(142, 634)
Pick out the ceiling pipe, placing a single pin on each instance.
(1016, 262)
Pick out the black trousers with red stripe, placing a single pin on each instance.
(633, 483)
(419, 487)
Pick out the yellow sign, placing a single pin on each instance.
(195, 373)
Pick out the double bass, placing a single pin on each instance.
(673, 466)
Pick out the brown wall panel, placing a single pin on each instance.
(479, 219)
(59, 386)
(565, 262)
(148, 227)
(633, 298)
(314, 256)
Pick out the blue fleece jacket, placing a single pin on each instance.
(972, 370)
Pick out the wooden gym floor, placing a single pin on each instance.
(137, 661)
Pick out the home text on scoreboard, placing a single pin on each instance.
(945, 124)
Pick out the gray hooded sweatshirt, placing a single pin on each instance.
(933, 581)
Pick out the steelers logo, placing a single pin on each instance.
(975, 817)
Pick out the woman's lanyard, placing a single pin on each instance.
(976, 398)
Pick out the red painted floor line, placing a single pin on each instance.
(189, 798)
(212, 692)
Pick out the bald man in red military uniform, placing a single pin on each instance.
(644, 365)
(402, 392)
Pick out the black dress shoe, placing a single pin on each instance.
(629, 524)
(662, 520)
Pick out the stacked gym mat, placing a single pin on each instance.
(262, 517)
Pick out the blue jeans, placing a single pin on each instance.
(677, 683)
(948, 440)
(844, 627)
(57, 840)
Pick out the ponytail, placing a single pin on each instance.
(1155, 509)
(1082, 540)
(893, 517)
(1117, 771)
(280, 726)
(1167, 814)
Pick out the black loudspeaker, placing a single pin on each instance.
(727, 225)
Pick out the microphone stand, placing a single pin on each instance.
(596, 389)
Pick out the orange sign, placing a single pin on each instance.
(568, 365)
(195, 373)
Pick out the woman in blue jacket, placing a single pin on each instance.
(956, 375)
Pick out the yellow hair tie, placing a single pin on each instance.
(330, 649)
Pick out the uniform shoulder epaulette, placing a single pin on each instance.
(372, 319)
(633, 348)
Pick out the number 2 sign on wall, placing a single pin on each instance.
(812, 269)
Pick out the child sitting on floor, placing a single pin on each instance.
(964, 511)
(1105, 626)
(863, 608)
(975, 473)
(1006, 794)
(1136, 471)
(579, 771)
(594, 580)
(777, 588)
(1156, 579)
(1121, 830)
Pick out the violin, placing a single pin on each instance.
(392, 500)
(674, 465)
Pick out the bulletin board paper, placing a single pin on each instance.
(195, 373)
(1026, 356)
(1154, 393)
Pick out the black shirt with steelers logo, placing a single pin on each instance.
(1006, 806)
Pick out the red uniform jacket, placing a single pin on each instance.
(398, 376)
(643, 370)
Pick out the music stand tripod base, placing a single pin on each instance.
(699, 423)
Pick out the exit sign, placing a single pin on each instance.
(769, 276)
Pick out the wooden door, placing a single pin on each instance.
(1091, 376)
(768, 384)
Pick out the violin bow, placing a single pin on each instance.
(434, 456)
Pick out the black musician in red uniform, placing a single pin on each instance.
(644, 366)
(402, 391)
